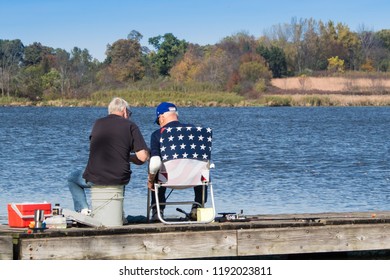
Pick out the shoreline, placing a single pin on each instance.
(265, 100)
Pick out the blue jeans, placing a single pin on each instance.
(77, 185)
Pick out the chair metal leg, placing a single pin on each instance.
(203, 194)
(210, 187)
(148, 207)
(158, 203)
(212, 200)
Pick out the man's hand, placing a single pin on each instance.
(151, 186)
(151, 179)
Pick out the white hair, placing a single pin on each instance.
(117, 105)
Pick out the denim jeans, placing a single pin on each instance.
(77, 185)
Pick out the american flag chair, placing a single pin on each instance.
(186, 162)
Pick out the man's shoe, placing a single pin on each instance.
(155, 216)
(86, 212)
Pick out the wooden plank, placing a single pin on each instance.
(172, 245)
(6, 248)
(318, 239)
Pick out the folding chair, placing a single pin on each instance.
(186, 163)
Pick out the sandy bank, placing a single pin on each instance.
(330, 84)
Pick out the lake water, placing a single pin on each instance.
(268, 160)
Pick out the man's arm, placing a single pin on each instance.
(142, 153)
(140, 157)
(154, 167)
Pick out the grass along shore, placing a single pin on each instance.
(202, 99)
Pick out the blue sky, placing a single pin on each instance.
(92, 24)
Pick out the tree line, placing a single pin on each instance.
(238, 63)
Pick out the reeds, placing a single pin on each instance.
(153, 98)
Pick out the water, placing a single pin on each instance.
(268, 160)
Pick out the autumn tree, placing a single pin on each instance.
(246, 66)
(338, 40)
(220, 63)
(185, 69)
(253, 73)
(213, 69)
(291, 38)
(310, 49)
(233, 64)
(253, 67)
(368, 66)
(335, 64)
(308, 44)
(233, 49)
(124, 59)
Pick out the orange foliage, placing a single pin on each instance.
(368, 66)
(234, 79)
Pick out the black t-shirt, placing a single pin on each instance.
(112, 140)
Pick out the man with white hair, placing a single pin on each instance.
(115, 141)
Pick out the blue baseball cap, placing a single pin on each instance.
(163, 108)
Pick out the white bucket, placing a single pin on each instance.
(107, 205)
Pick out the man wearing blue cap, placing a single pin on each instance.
(166, 116)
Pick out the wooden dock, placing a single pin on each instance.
(262, 236)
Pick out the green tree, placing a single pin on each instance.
(62, 59)
(11, 54)
(252, 68)
(169, 51)
(134, 35)
(383, 58)
(384, 36)
(36, 53)
(275, 58)
(30, 81)
(51, 83)
(82, 70)
(374, 53)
